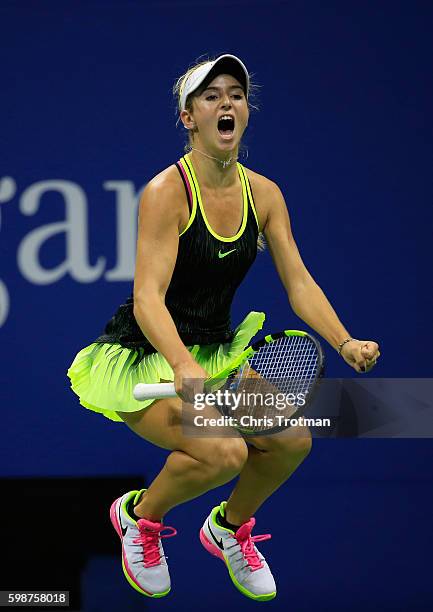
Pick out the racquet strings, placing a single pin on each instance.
(286, 366)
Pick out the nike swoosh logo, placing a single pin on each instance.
(218, 543)
(221, 255)
(122, 528)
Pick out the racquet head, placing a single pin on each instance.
(274, 378)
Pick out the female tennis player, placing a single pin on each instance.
(199, 226)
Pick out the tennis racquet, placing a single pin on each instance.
(274, 380)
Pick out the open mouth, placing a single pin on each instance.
(226, 125)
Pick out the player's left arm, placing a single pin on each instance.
(306, 298)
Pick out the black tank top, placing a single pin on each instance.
(208, 270)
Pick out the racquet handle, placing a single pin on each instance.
(144, 391)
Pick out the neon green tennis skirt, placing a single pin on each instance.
(104, 375)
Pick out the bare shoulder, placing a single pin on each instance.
(165, 195)
(266, 194)
(167, 182)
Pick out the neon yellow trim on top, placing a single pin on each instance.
(250, 196)
(200, 203)
(294, 332)
(194, 199)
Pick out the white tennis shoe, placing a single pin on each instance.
(246, 565)
(143, 560)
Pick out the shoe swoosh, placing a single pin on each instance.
(122, 528)
(218, 543)
(221, 255)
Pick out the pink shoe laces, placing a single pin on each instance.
(150, 533)
(246, 542)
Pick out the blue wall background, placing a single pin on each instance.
(345, 130)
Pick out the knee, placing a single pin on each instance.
(226, 457)
(301, 446)
(298, 444)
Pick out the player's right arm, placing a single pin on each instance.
(161, 218)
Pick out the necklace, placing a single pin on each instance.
(225, 164)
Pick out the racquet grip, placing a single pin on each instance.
(144, 391)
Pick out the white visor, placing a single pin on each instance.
(196, 78)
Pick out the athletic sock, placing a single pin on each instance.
(223, 522)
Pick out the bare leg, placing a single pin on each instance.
(194, 466)
(271, 461)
